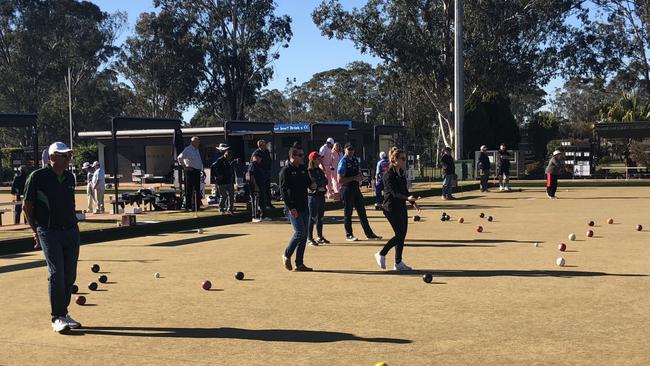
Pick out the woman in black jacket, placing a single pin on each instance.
(316, 200)
(395, 196)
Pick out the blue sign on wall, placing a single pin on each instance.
(291, 127)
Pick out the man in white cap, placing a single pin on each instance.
(98, 184)
(90, 192)
(50, 211)
(190, 160)
(553, 171)
(484, 168)
(326, 163)
(382, 165)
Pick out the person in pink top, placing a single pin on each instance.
(337, 154)
(326, 163)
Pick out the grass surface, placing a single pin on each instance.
(495, 299)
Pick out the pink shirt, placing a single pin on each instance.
(326, 153)
(335, 159)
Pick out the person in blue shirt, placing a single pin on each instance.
(382, 165)
(349, 176)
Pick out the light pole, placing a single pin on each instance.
(70, 103)
(459, 93)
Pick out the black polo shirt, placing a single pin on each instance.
(53, 198)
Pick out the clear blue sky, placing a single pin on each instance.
(308, 53)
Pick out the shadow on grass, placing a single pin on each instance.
(194, 240)
(22, 266)
(447, 206)
(410, 245)
(119, 260)
(484, 273)
(265, 335)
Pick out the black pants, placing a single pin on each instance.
(192, 188)
(485, 177)
(258, 204)
(352, 198)
(18, 213)
(398, 219)
(551, 184)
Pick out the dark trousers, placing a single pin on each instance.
(485, 177)
(227, 197)
(316, 214)
(551, 184)
(61, 249)
(352, 199)
(192, 188)
(379, 197)
(398, 220)
(299, 239)
(257, 209)
(18, 210)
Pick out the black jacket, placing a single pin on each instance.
(222, 171)
(18, 186)
(504, 160)
(294, 182)
(484, 162)
(266, 160)
(317, 176)
(395, 190)
(447, 163)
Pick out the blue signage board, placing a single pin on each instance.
(291, 127)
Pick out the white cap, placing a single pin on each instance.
(483, 147)
(85, 165)
(382, 155)
(557, 152)
(95, 164)
(330, 140)
(59, 147)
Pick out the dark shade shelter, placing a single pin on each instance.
(130, 123)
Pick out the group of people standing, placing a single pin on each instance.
(95, 186)
(303, 191)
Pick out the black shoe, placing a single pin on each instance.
(322, 240)
(302, 268)
(374, 237)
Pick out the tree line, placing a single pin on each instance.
(218, 55)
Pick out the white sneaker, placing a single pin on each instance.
(401, 266)
(351, 238)
(256, 220)
(501, 188)
(73, 324)
(60, 325)
(381, 260)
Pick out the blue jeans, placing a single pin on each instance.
(448, 184)
(379, 197)
(316, 214)
(61, 249)
(299, 239)
(226, 197)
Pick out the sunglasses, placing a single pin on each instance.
(63, 155)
